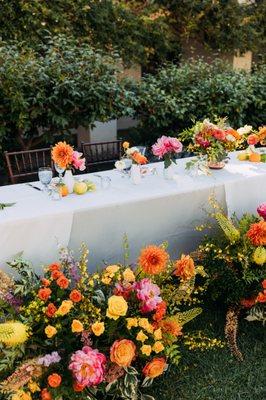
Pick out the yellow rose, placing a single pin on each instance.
(158, 347)
(77, 326)
(158, 334)
(50, 331)
(141, 336)
(128, 275)
(126, 145)
(34, 387)
(132, 322)
(117, 307)
(144, 323)
(21, 395)
(64, 308)
(98, 328)
(112, 269)
(146, 349)
(106, 280)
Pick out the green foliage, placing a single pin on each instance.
(187, 316)
(176, 97)
(45, 93)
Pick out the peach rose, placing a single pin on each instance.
(98, 328)
(50, 331)
(64, 308)
(77, 326)
(155, 367)
(45, 282)
(253, 139)
(54, 380)
(185, 268)
(123, 352)
(62, 282)
(75, 296)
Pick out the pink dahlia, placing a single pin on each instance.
(261, 210)
(88, 366)
(77, 161)
(166, 145)
(149, 295)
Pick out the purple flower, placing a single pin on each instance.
(13, 301)
(49, 359)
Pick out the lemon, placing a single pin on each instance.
(242, 156)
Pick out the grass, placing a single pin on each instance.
(215, 374)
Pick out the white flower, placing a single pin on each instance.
(244, 129)
(230, 138)
(132, 150)
(120, 165)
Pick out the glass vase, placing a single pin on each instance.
(168, 172)
(135, 174)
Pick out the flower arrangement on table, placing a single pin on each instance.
(235, 261)
(254, 138)
(211, 142)
(67, 159)
(74, 335)
(166, 148)
(131, 161)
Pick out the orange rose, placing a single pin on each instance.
(63, 282)
(45, 282)
(50, 310)
(44, 293)
(56, 274)
(77, 326)
(261, 298)
(253, 139)
(123, 352)
(75, 296)
(54, 267)
(77, 387)
(54, 380)
(45, 395)
(154, 368)
(264, 284)
(185, 268)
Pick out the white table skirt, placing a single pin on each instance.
(152, 212)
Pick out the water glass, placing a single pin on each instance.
(60, 171)
(45, 176)
(105, 181)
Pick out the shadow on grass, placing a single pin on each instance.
(215, 374)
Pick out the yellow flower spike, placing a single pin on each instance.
(13, 333)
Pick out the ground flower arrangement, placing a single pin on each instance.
(235, 260)
(73, 335)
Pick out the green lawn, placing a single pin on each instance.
(215, 374)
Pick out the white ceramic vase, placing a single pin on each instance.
(69, 180)
(135, 174)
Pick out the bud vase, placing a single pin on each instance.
(216, 164)
(69, 180)
(168, 172)
(135, 174)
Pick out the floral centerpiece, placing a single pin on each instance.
(66, 158)
(131, 159)
(167, 148)
(74, 335)
(211, 142)
(235, 261)
(253, 139)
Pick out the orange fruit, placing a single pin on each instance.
(254, 157)
(63, 190)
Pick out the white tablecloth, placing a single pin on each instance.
(152, 212)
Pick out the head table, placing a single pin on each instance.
(154, 211)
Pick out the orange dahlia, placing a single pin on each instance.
(139, 158)
(257, 233)
(185, 268)
(262, 133)
(153, 259)
(171, 326)
(62, 154)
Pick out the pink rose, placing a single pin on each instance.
(261, 210)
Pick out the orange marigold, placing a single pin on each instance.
(62, 154)
(257, 233)
(171, 327)
(185, 267)
(153, 259)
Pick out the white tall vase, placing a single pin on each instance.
(135, 174)
(69, 180)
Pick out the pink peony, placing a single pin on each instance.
(77, 161)
(88, 366)
(219, 134)
(149, 295)
(166, 145)
(261, 210)
(201, 141)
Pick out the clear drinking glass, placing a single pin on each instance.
(60, 171)
(45, 176)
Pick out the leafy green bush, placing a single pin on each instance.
(59, 86)
(176, 97)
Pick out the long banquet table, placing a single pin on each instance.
(154, 211)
